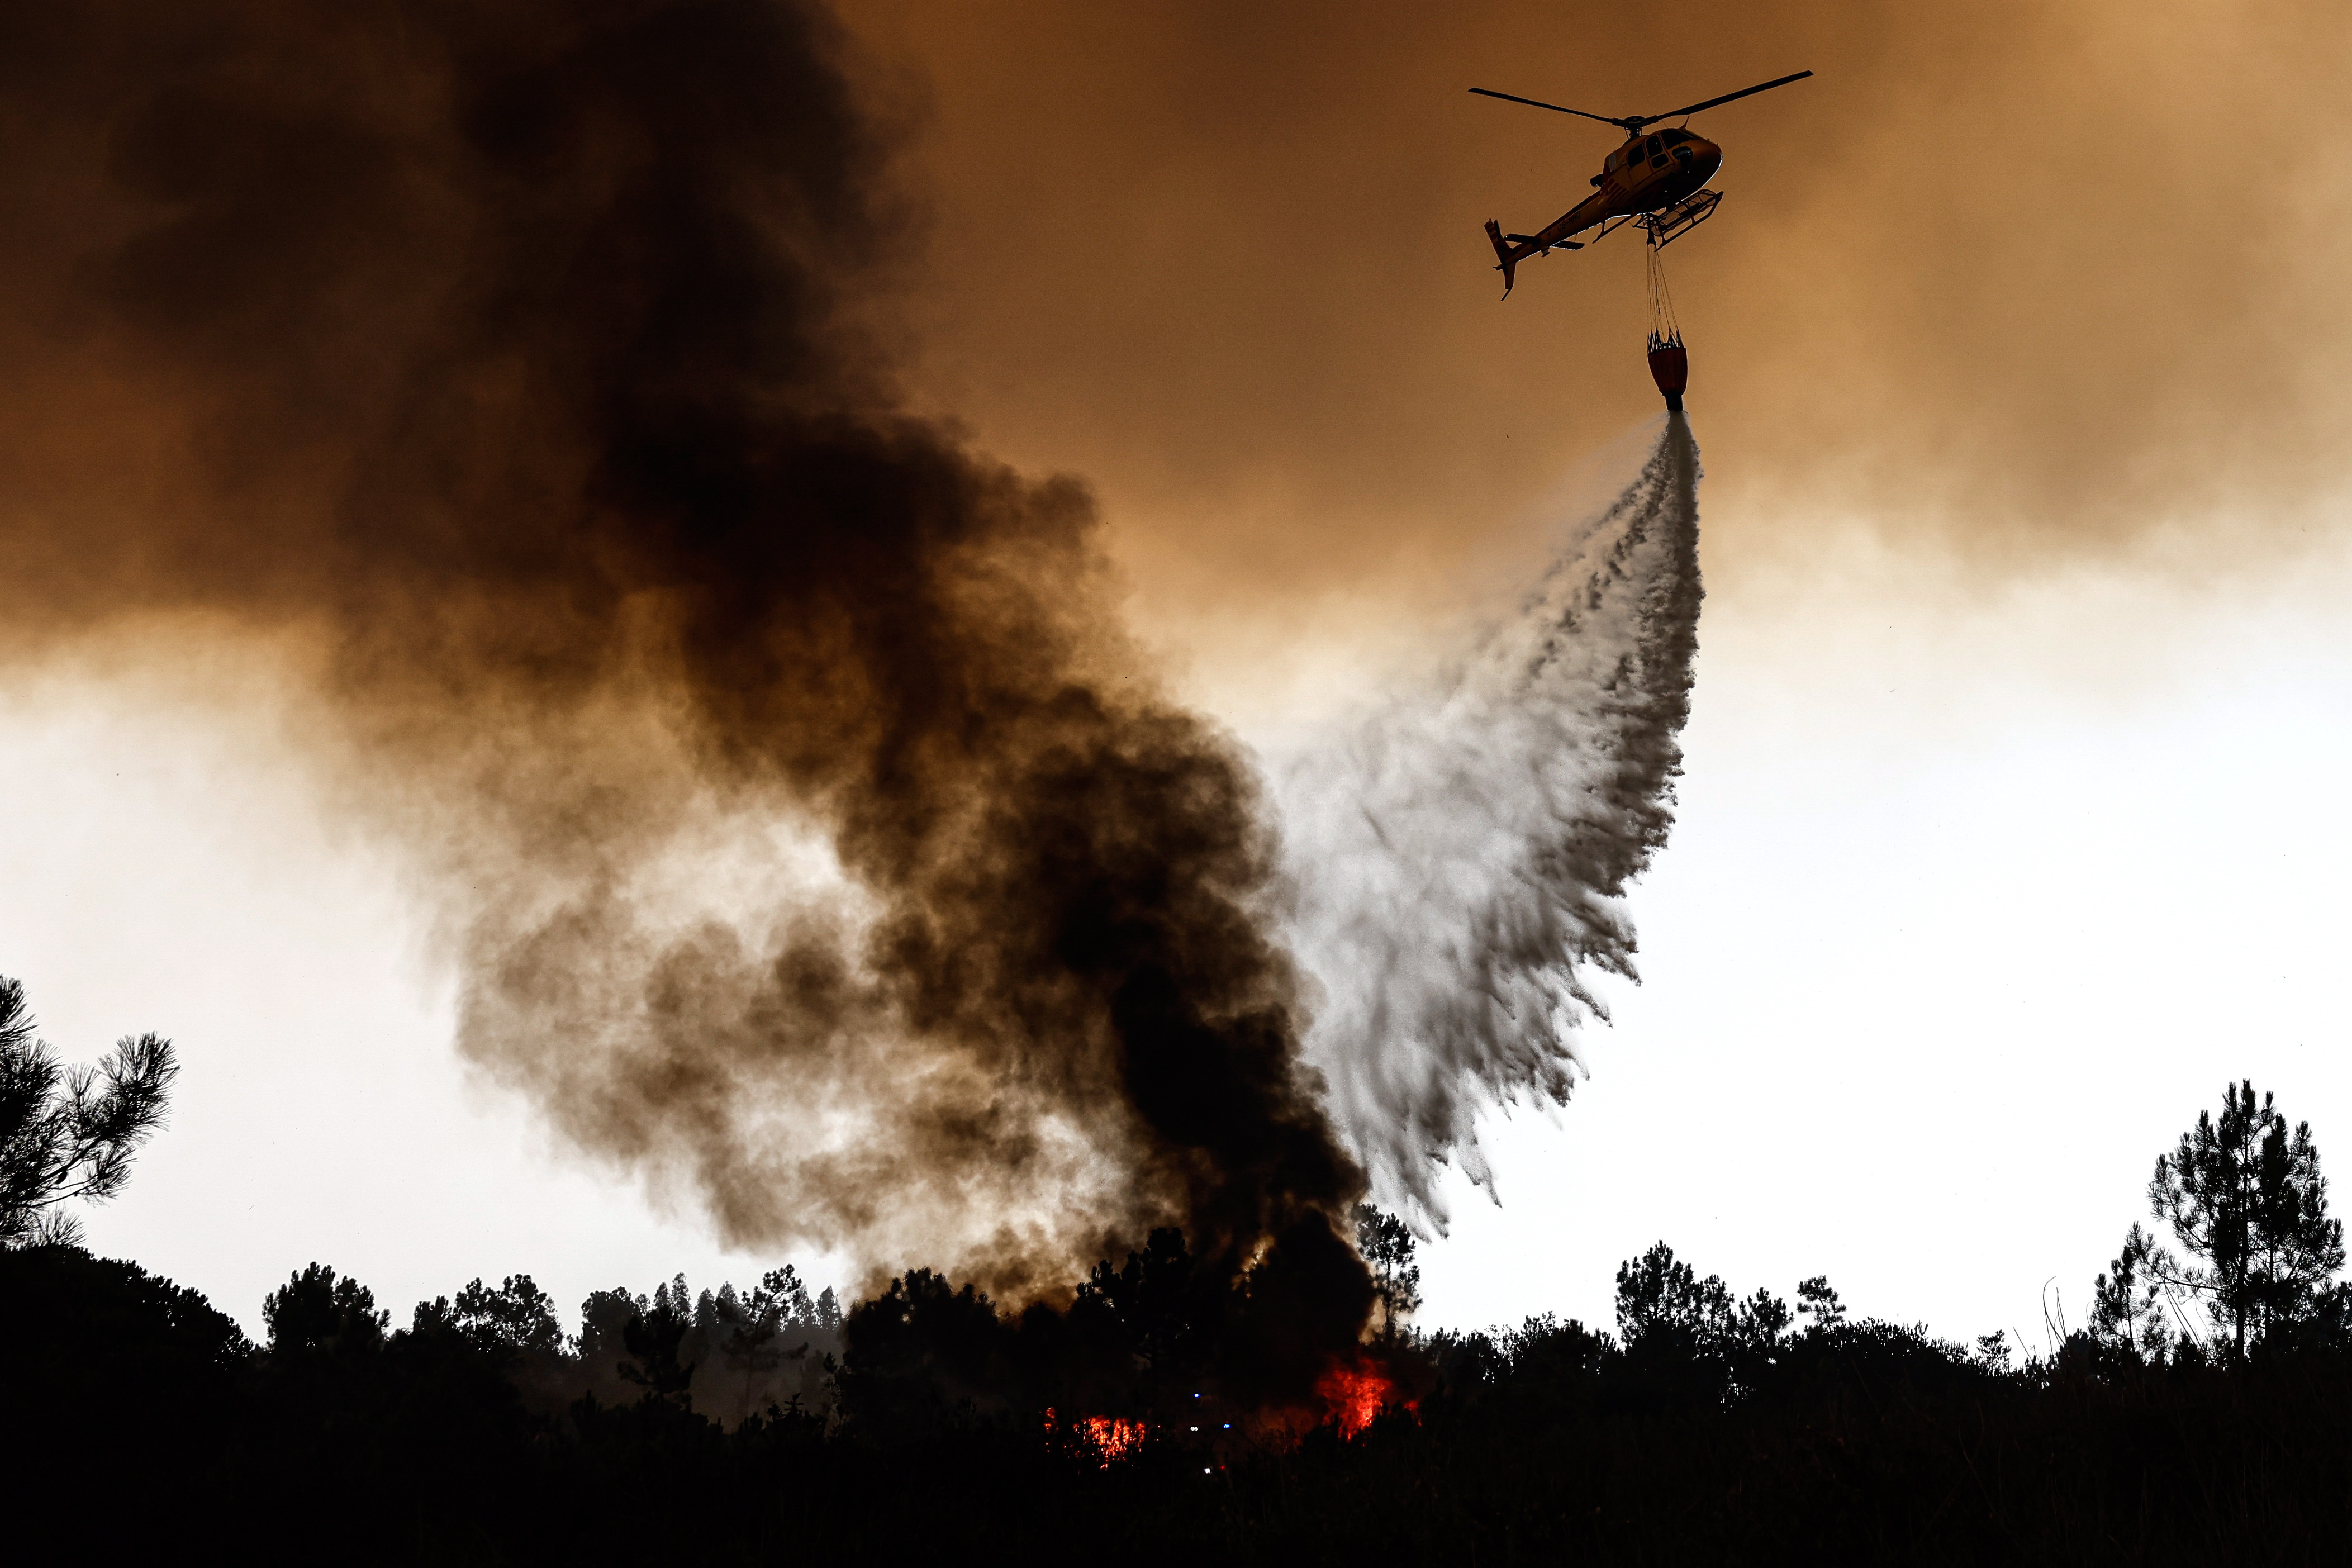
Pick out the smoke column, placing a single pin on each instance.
(1458, 858)
(808, 840)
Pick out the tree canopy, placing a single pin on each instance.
(69, 1132)
(2243, 1194)
(1386, 1243)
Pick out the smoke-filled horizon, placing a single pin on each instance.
(808, 836)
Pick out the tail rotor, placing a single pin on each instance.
(1511, 263)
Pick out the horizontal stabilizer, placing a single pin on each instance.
(1555, 245)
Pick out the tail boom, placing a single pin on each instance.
(1510, 249)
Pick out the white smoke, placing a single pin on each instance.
(1458, 857)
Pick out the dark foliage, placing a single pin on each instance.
(315, 1314)
(1386, 1243)
(518, 1319)
(2246, 1196)
(1704, 1427)
(1147, 1340)
(924, 1355)
(1840, 1441)
(69, 1132)
(653, 1340)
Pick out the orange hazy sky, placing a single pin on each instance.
(2027, 281)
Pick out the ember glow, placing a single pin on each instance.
(1111, 1437)
(1107, 1437)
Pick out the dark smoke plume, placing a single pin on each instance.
(810, 841)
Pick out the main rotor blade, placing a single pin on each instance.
(1726, 98)
(1604, 120)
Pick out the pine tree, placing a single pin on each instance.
(2128, 1306)
(317, 1313)
(69, 1132)
(2246, 1196)
(1387, 1244)
(653, 1339)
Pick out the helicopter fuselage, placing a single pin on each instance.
(1647, 174)
(1658, 170)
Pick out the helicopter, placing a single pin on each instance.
(1657, 177)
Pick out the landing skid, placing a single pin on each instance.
(1670, 224)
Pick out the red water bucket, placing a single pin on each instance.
(1670, 368)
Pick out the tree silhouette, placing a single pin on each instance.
(1816, 1300)
(2128, 1308)
(653, 1338)
(317, 1312)
(512, 1320)
(1387, 1244)
(69, 1132)
(753, 1326)
(1662, 1298)
(922, 1354)
(603, 1315)
(1688, 1338)
(2244, 1194)
(1160, 1307)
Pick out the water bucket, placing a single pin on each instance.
(1670, 368)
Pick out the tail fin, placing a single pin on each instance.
(1503, 252)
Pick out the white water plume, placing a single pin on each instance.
(1457, 858)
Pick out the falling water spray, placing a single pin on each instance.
(1458, 858)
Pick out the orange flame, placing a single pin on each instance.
(1111, 1437)
(1108, 1437)
(1354, 1394)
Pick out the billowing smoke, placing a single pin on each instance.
(1458, 856)
(809, 842)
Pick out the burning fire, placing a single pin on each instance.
(1350, 1395)
(1108, 1437)
(1354, 1394)
(1111, 1437)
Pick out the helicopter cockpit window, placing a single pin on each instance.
(1653, 146)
